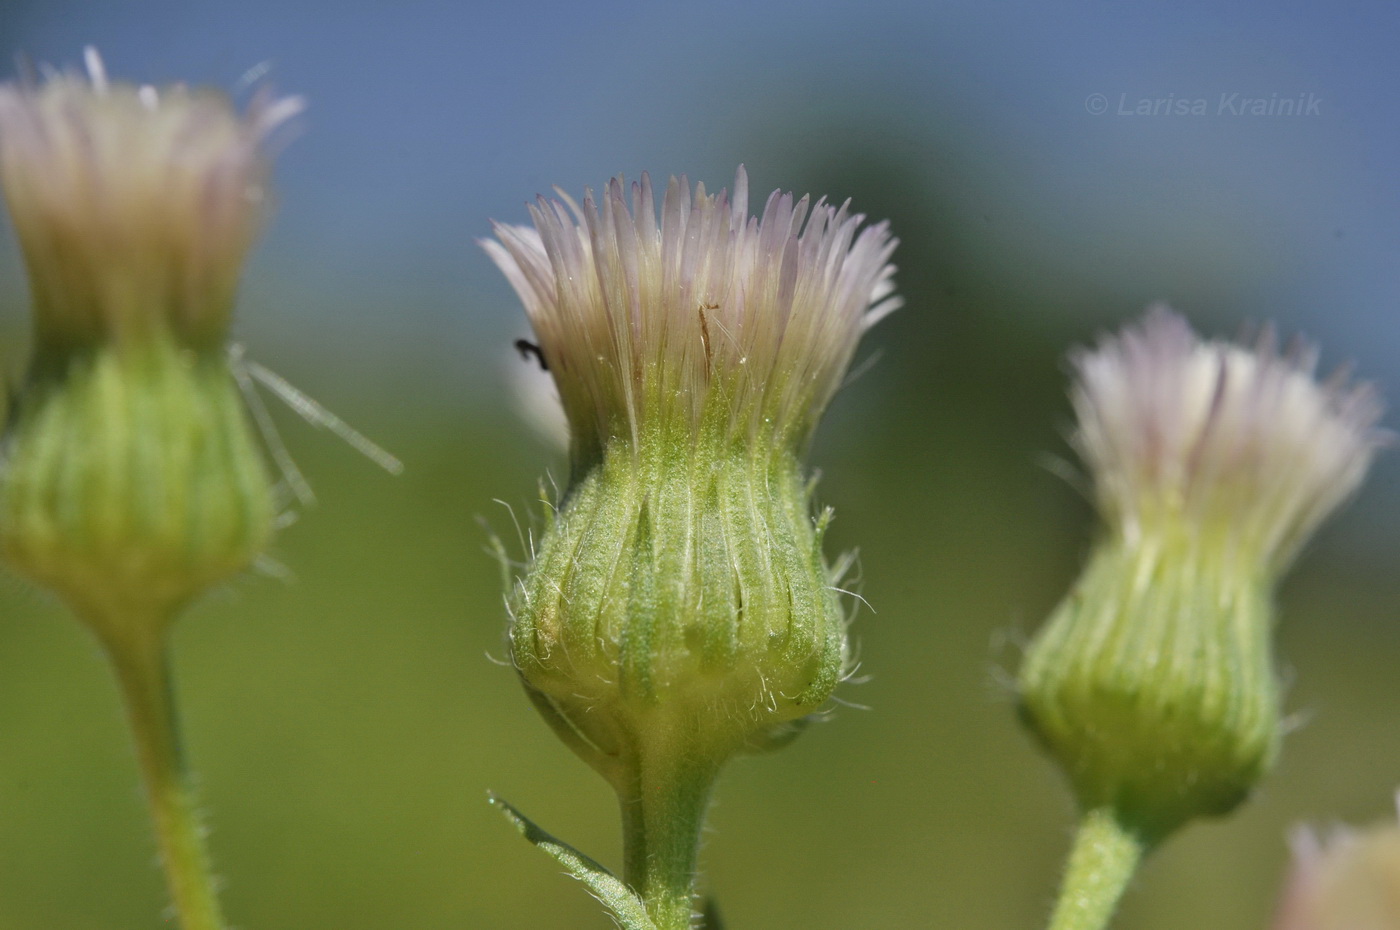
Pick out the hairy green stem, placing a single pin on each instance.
(1102, 862)
(139, 659)
(663, 811)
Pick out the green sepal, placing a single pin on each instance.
(622, 903)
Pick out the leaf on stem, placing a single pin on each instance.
(624, 905)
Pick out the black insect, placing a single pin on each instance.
(529, 350)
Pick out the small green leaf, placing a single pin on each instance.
(624, 905)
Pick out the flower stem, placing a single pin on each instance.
(663, 811)
(1102, 862)
(139, 659)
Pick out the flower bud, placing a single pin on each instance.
(680, 594)
(1152, 683)
(132, 479)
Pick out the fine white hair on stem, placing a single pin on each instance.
(1241, 439)
(704, 312)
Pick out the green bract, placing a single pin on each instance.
(1152, 683)
(133, 481)
(681, 591)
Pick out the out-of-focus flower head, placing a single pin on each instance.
(1241, 443)
(132, 478)
(1212, 463)
(135, 205)
(1345, 880)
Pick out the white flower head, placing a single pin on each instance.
(134, 206)
(1238, 441)
(747, 323)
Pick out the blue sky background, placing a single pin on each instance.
(427, 119)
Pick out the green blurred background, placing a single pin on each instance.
(346, 724)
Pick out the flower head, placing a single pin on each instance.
(1348, 880)
(1237, 441)
(678, 608)
(1152, 683)
(708, 315)
(678, 603)
(135, 206)
(132, 479)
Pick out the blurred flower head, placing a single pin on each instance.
(133, 480)
(1152, 683)
(707, 315)
(1348, 880)
(1242, 442)
(134, 206)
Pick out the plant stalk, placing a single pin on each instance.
(1102, 863)
(139, 659)
(663, 811)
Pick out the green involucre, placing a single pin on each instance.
(679, 596)
(133, 480)
(1152, 683)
